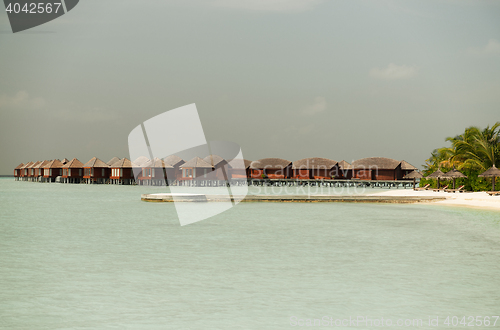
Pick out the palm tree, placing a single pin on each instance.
(476, 149)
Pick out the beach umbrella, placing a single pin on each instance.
(492, 172)
(436, 175)
(414, 175)
(453, 174)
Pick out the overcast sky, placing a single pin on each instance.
(283, 78)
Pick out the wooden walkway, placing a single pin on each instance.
(404, 184)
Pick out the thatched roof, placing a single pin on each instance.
(56, 163)
(344, 165)
(113, 160)
(141, 160)
(26, 165)
(65, 161)
(492, 172)
(407, 166)
(18, 167)
(380, 163)
(173, 160)
(156, 163)
(413, 175)
(123, 163)
(196, 162)
(95, 162)
(240, 163)
(74, 163)
(34, 164)
(270, 163)
(453, 174)
(437, 174)
(314, 163)
(42, 164)
(213, 159)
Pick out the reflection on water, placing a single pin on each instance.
(80, 256)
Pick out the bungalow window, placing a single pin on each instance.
(103, 173)
(121, 172)
(92, 171)
(205, 173)
(80, 172)
(152, 172)
(50, 172)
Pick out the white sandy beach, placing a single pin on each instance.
(469, 199)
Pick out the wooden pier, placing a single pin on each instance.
(332, 183)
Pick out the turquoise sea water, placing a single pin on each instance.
(96, 257)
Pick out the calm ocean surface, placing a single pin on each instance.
(96, 257)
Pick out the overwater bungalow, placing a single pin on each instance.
(121, 172)
(96, 171)
(38, 169)
(345, 170)
(155, 172)
(240, 168)
(380, 168)
(17, 171)
(72, 171)
(52, 170)
(220, 167)
(24, 171)
(196, 169)
(32, 170)
(271, 168)
(176, 162)
(137, 169)
(406, 168)
(141, 160)
(113, 160)
(315, 169)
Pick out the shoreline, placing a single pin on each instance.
(476, 200)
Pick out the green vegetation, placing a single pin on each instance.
(472, 153)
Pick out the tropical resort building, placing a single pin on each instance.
(195, 170)
(154, 173)
(271, 168)
(17, 171)
(121, 172)
(345, 170)
(96, 171)
(72, 171)
(239, 168)
(380, 168)
(31, 171)
(176, 162)
(221, 170)
(113, 160)
(39, 170)
(52, 170)
(315, 169)
(24, 171)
